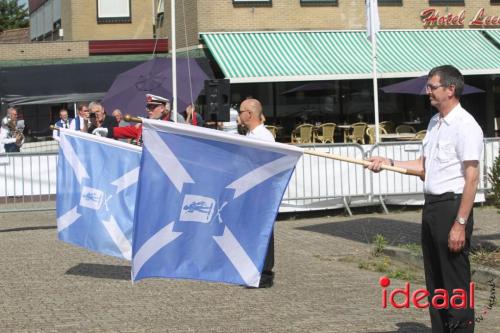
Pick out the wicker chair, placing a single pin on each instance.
(325, 133)
(358, 133)
(405, 129)
(273, 130)
(302, 134)
(370, 131)
(389, 126)
(420, 135)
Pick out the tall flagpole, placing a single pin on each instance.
(374, 27)
(174, 61)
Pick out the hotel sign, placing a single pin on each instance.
(432, 18)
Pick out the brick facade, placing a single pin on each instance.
(79, 21)
(43, 50)
(223, 15)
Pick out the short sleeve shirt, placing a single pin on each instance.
(448, 143)
(261, 133)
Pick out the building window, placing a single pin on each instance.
(252, 2)
(446, 2)
(495, 2)
(390, 2)
(319, 2)
(113, 11)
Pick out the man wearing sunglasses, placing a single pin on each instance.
(450, 157)
(157, 107)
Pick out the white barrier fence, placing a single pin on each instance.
(28, 180)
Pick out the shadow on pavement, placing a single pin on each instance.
(364, 230)
(101, 271)
(408, 327)
(28, 228)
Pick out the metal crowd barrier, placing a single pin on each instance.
(28, 180)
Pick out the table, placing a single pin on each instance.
(398, 136)
(345, 128)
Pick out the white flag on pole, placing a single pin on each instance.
(372, 19)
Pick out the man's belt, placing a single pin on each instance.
(448, 196)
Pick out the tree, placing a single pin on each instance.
(13, 15)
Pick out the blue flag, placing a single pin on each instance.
(206, 203)
(96, 192)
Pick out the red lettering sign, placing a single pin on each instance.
(482, 20)
(431, 17)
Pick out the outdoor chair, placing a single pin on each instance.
(358, 133)
(405, 129)
(389, 126)
(420, 135)
(325, 133)
(273, 130)
(370, 131)
(302, 134)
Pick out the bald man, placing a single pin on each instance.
(252, 118)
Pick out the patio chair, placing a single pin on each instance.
(325, 133)
(420, 135)
(302, 134)
(405, 129)
(389, 126)
(273, 130)
(370, 131)
(358, 133)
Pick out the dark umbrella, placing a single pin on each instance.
(416, 86)
(155, 77)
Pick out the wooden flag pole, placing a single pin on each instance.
(409, 172)
(404, 171)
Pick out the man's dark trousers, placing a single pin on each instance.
(267, 276)
(444, 269)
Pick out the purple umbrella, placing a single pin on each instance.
(416, 86)
(128, 92)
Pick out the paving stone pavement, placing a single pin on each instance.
(49, 286)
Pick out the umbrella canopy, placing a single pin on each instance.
(155, 77)
(416, 86)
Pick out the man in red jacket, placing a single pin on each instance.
(158, 108)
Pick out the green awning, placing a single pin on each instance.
(341, 55)
(494, 34)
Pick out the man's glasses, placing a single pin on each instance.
(241, 111)
(431, 87)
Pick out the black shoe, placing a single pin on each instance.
(268, 283)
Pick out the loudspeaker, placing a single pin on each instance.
(217, 93)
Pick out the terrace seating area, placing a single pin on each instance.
(360, 132)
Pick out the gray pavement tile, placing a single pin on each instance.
(50, 286)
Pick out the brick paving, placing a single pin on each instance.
(50, 286)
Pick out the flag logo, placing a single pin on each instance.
(197, 208)
(91, 198)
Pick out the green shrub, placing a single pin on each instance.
(494, 177)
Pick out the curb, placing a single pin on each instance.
(480, 273)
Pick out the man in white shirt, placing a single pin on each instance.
(10, 139)
(251, 117)
(450, 161)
